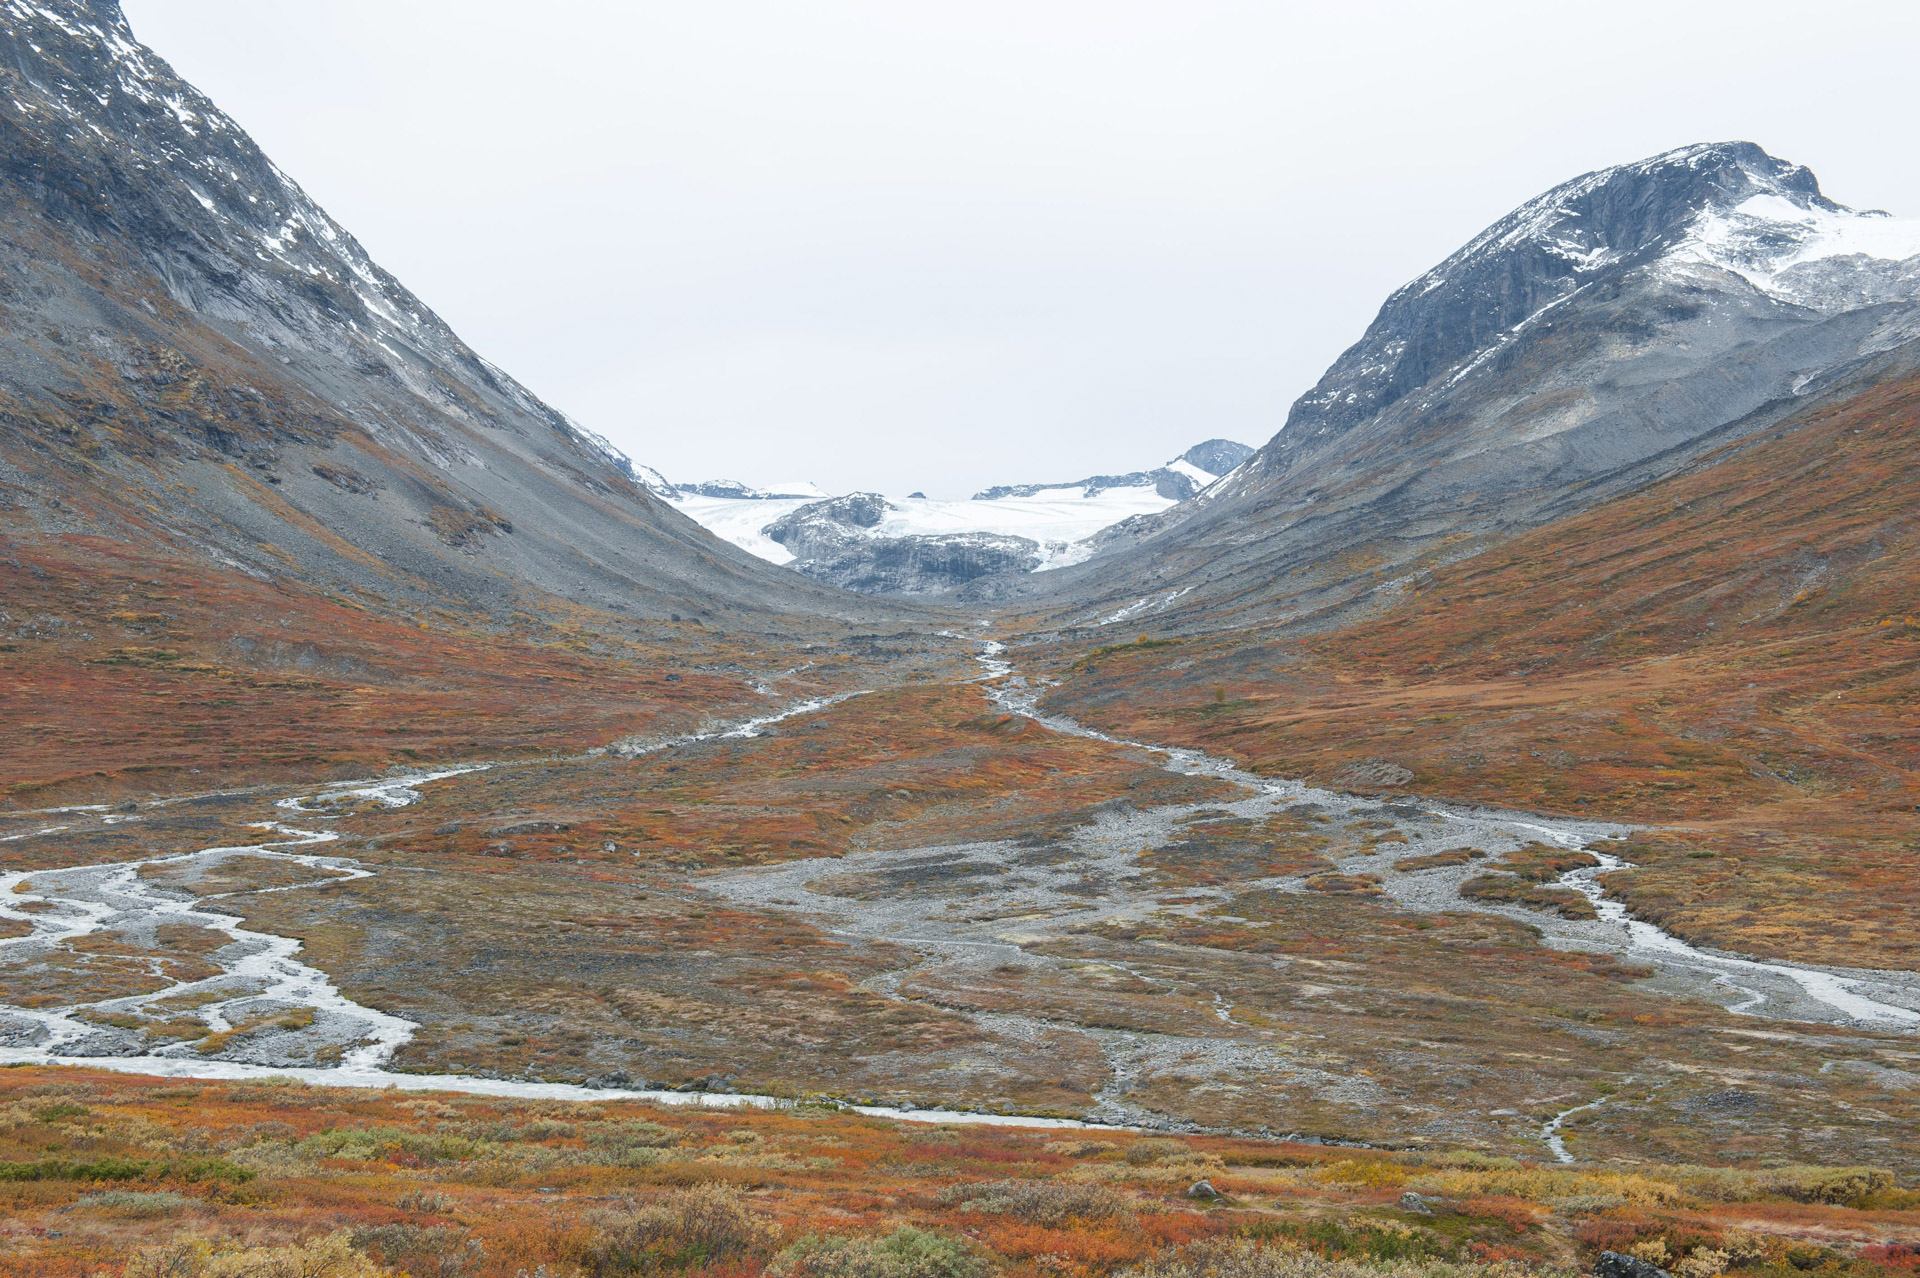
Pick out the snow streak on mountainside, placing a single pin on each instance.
(1595, 339)
(918, 545)
(1732, 206)
(1808, 251)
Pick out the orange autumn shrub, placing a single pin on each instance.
(1080, 1249)
(1516, 1214)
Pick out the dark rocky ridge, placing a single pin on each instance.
(918, 565)
(1579, 348)
(192, 351)
(831, 541)
(1215, 456)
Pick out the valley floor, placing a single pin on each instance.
(936, 896)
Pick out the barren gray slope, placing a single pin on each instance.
(191, 349)
(1588, 343)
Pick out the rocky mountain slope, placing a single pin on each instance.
(194, 355)
(919, 546)
(1596, 339)
(261, 511)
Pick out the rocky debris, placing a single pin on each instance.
(1614, 1264)
(531, 827)
(1414, 1203)
(825, 526)
(1730, 1101)
(1202, 1190)
(926, 565)
(18, 1031)
(1369, 773)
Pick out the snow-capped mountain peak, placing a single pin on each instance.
(917, 544)
(1726, 205)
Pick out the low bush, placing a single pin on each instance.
(427, 1202)
(1365, 1174)
(905, 1253)
(1050, 1203)
(129, 1202)
(1243, 1258)
(635, 1144)
(189, 1170)
(1540, 1184)
(695, 1226)
(435, 1252)
(328, 1257)
(373, 1144)
(1156, 1150)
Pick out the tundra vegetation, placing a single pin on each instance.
(124, 1175)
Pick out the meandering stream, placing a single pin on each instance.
(262, 975)
(348, 1044)
(1839, 992)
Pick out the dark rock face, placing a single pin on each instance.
(834, 541)
(183, 331)
(1614, 1264)
(1601, 336)
(925, 565)
(826, 522)
(1540, 254)
(1216, 457)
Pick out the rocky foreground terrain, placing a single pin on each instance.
(1476, 834)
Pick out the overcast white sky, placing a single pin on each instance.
(903, 245)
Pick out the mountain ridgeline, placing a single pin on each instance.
(1601, 336)
(194, 356)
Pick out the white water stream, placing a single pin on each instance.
(1643, 940)
(262, 971)
(1839, 994)
(1550, 1132)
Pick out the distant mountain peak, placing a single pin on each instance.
(1603, 333)
(1178, 480)
(1724, 205)
(1216, 456)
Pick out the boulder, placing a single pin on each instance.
(1613, 1264)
